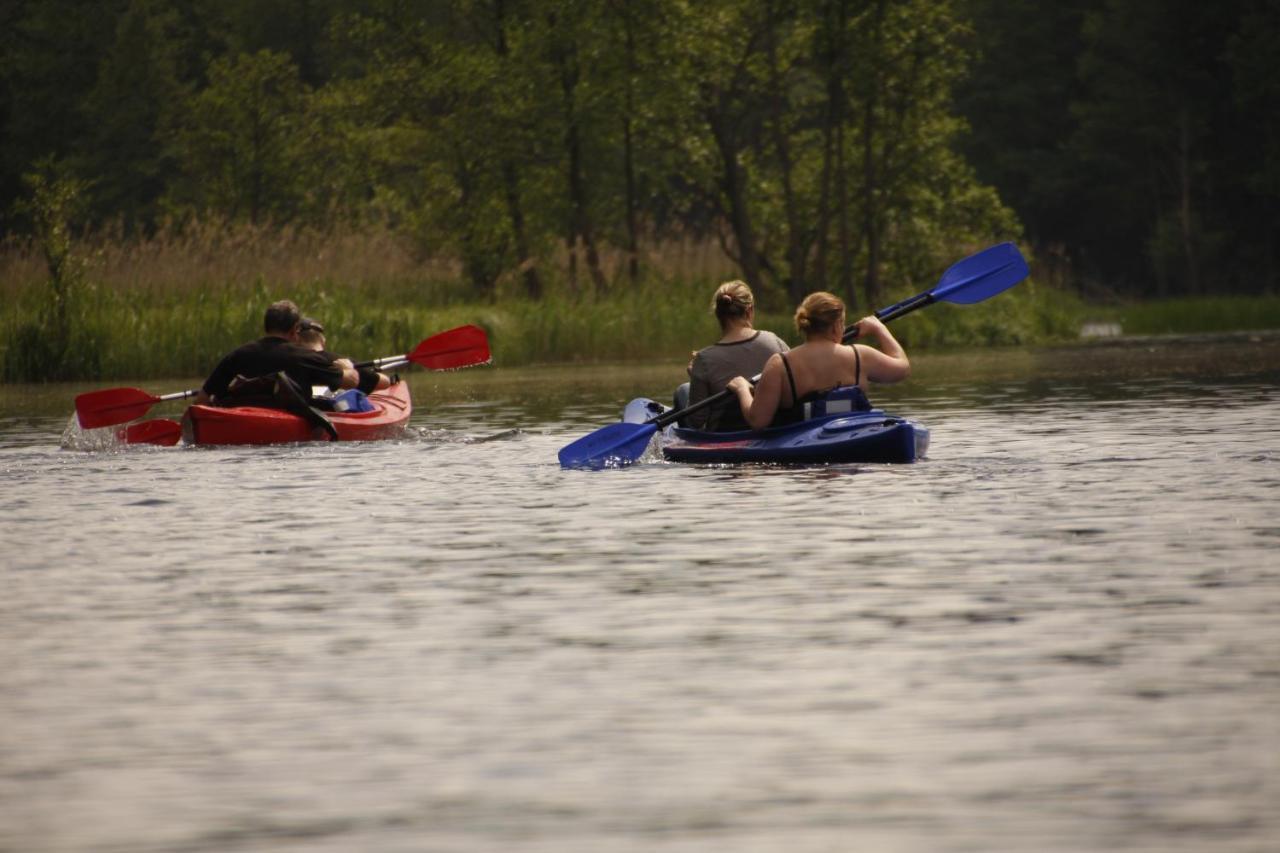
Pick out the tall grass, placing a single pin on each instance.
(1201, 314)
(172, 304)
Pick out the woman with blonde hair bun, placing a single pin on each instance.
(742, 349)
(820, 365)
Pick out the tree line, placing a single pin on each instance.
(837, 144)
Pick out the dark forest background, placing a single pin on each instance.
(1132, 145)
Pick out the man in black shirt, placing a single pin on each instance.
(278, 351)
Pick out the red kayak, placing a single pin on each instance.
(260, 425)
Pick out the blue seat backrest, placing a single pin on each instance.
(844, 399)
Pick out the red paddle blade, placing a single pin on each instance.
(160, 431)
(465, 346)
(112, 406)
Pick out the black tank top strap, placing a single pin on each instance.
(790, 377)
(857, 366)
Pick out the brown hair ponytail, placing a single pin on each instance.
(733, 299)
(819, 313)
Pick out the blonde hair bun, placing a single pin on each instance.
(819, 312)
(733, 299)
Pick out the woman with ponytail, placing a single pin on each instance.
(742, 349)
(820, 365)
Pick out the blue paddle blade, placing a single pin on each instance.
(982, 275)
(608, 447)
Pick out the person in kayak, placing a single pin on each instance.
(311, 336)
(819, 365)
(741, 350)
(278, 351)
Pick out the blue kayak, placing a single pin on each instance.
(851, 436)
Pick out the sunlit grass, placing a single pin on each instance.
(171, 305)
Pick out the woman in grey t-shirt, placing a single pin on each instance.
(741, 351)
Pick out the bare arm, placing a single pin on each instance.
(887, 364)
(759, 408)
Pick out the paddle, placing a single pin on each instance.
(461, 347)
(465, 346)
(977, 277)
(118, 405)
(160, 431)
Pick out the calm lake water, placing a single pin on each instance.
(1057, 633)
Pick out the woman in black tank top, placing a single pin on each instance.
(794, 412)
(820, 365)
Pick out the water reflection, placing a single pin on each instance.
(1056, 633)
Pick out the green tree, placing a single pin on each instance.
(1016, 102)
(831, 123)
(1254, 144)
(240, 141)
(137, 84)
(49, 56)
(1147, 124)
(54, 346)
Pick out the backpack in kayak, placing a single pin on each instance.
(352, 400)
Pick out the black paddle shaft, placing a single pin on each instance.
(906, 306)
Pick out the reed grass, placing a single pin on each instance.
(1199, 315)
(172, 304)
(143, 335)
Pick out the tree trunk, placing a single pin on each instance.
(1185, 222)
(871, 226)
(581, 214)
(846, 285)
(511, 181)
(733, 183)
(797, 244)
(829, 121)
(565, 57)
(532, 283)
(571, 247)
(628, 152)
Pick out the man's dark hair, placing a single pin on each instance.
(281, 317)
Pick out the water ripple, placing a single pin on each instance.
(1057, 633)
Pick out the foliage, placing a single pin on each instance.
(137, 332)
(1199, 315)
(241, 142)
(529, 140)
(54, 343)
(1137, 139)
(537, 155)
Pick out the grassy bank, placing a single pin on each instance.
(172, 305)
(1195, 315)
(136, 333)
